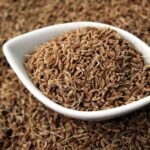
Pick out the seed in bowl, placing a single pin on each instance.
(89, 69)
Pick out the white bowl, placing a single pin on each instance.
(16, 49)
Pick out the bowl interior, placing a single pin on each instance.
(24, 44)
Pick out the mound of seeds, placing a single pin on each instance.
(89, 69)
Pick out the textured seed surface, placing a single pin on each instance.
(25, 123)
(80, 68)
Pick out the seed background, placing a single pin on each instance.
(27, 124)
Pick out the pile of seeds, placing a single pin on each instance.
(27, 124)
(89, 69)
